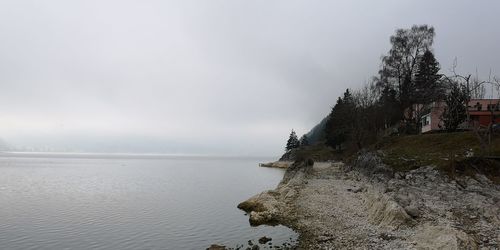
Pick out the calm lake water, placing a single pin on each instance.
(130, 202)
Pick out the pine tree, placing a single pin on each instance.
(341, 120)
(293, 141)
(455, 111)
(388, 107)
(304, 141)
(427, 84)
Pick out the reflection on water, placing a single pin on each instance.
(54, 202)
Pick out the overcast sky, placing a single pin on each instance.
(211, 77)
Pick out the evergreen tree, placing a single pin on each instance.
(388, 107)
(304, 141)
(455, 111)
(293, 141)
(341, 121)
(427, 85)
(332, 132)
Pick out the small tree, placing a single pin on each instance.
(293, 141)
(304, 141)
(455, 111)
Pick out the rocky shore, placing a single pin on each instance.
(366, 205)
(276, 164)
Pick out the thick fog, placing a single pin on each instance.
(206, 77)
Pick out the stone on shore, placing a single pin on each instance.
(216, 247)
(443, 237)
(264, 240)
(268, 207)
(385, 212)
(263, 208)
(277, 164)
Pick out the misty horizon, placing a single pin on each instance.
(218, 77)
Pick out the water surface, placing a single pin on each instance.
(129, 202)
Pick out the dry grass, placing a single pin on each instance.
(453, 153)
(317, 153)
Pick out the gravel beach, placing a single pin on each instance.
(335, 206)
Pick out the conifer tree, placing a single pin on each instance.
(304, 141)
(455, 111)
(427, 84)
(293, 141)
(339, 126)
(388, 107)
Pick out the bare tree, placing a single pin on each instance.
(400, 65)
(496, 84)
(478, 90)
(475, 88)
(367, 122)
(368, 95)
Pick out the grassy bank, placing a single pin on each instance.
(408, 152)
(453, 153)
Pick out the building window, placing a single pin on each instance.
(425, 121)
(479, 106)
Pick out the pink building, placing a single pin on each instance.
(432, 120)
(482, 112)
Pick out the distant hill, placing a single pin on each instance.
(317, 133)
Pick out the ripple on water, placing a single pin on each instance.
(82, 203)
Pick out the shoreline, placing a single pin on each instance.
(276, 164)
(333, 205)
